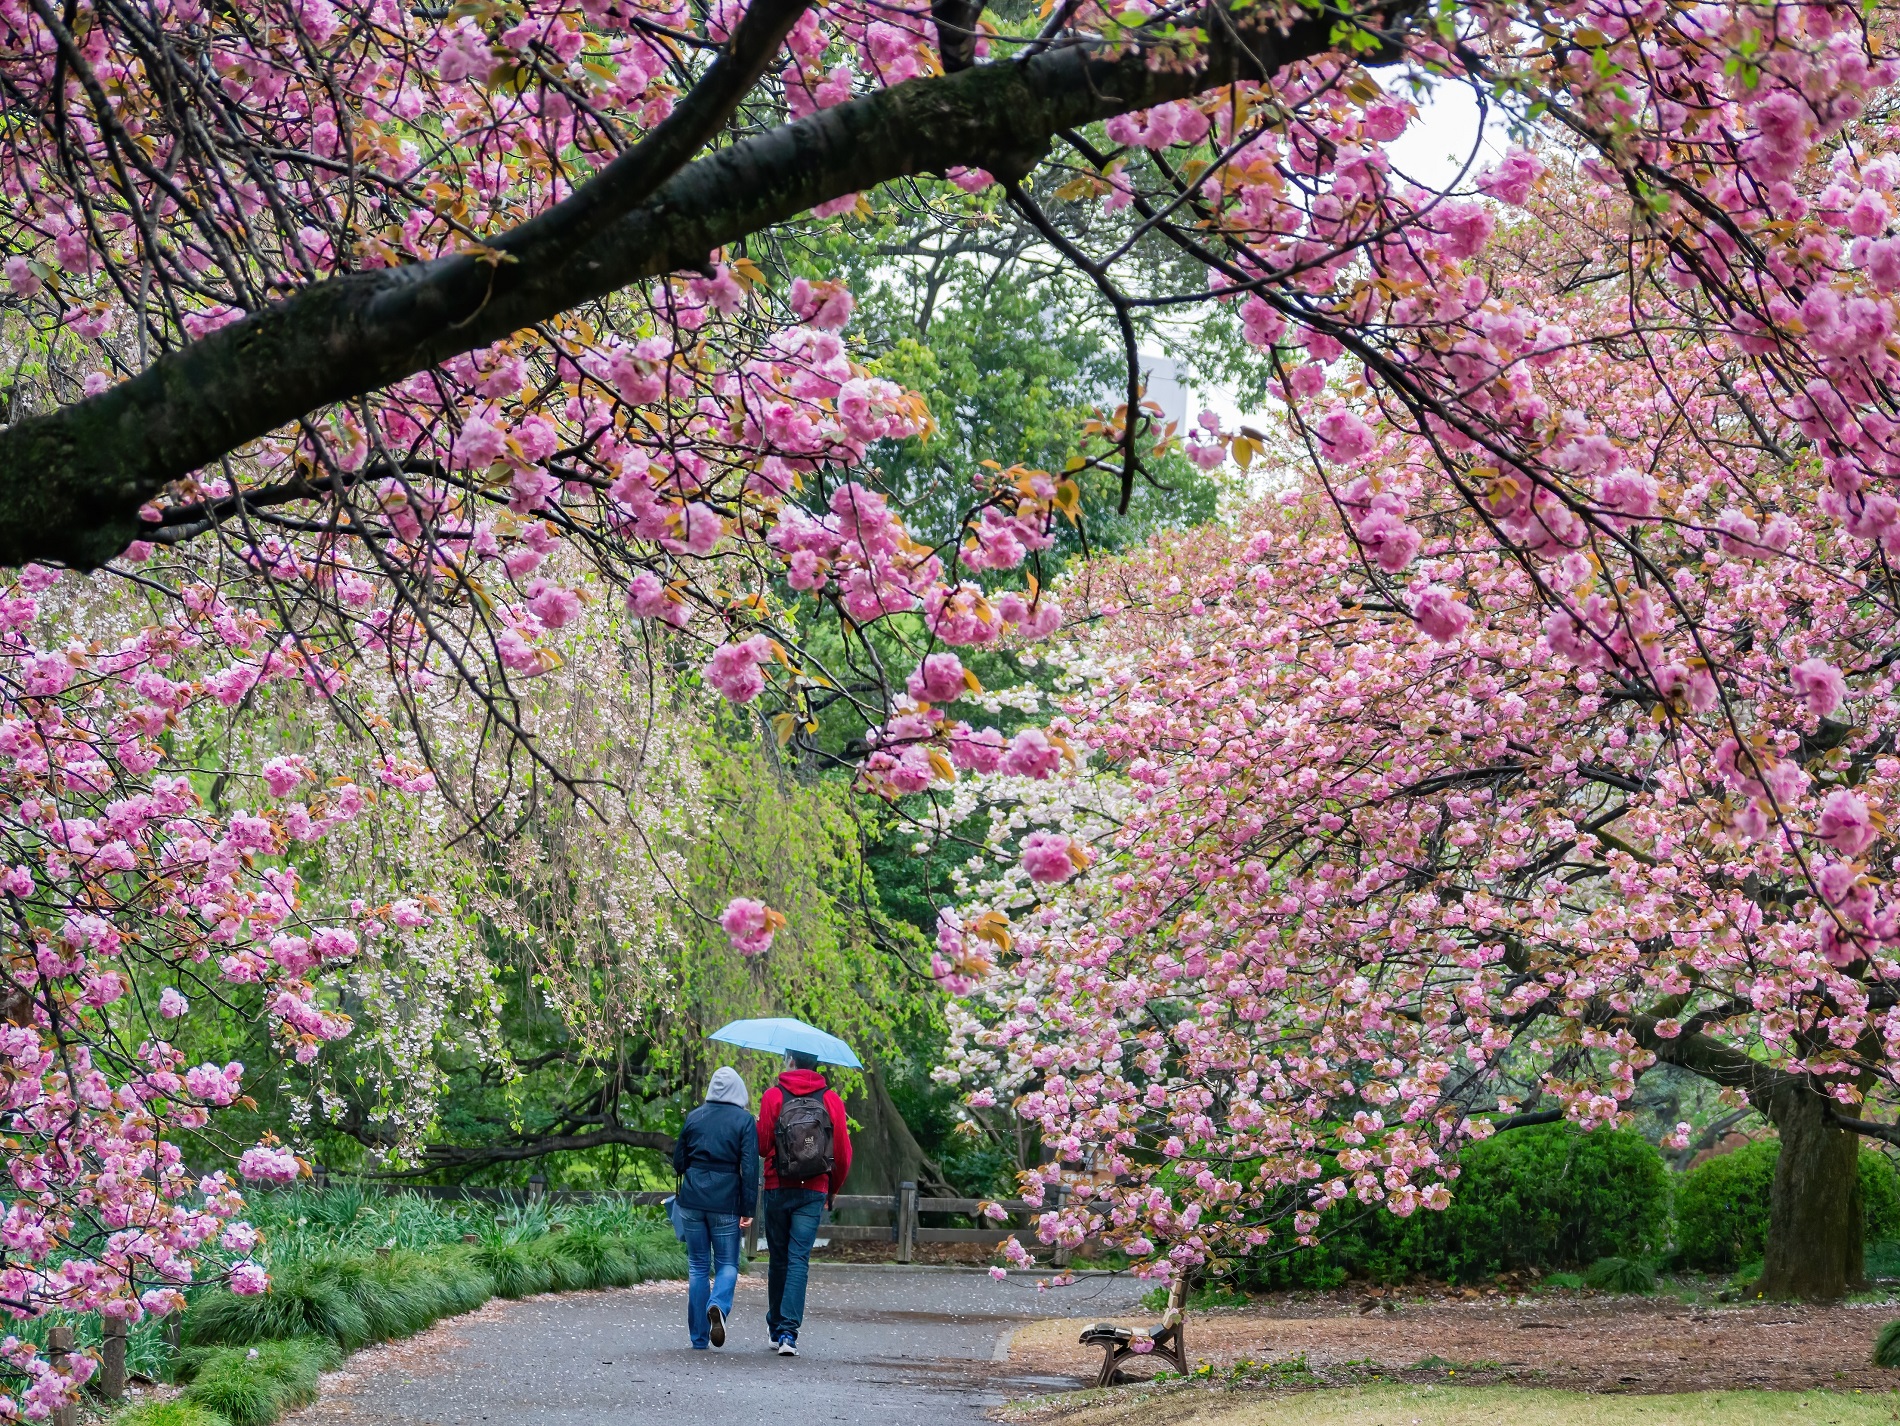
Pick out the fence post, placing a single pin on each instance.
(537, 1188)
(906, 1220)
(1060, 1258)
(112, 1360)
(59, 1345)
(319, 1176)
(758, 1219)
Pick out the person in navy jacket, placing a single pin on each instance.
(717, 1159)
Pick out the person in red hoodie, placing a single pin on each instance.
(805, 1148)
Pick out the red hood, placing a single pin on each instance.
(798, 1081)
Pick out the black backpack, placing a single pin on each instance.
(802, 1137)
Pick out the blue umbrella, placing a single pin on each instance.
(779, 1035)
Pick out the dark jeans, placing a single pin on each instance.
(791, 1223)
(712, 1267)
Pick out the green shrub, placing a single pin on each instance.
(1722, 1206)
(174, 1412)
(1887, 1346)
(1883, 1259)
(616, 1218)
(1538, 1199)
(1621, 1275)
(253, 1386)
(1880, 1192)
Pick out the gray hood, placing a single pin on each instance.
(727, 1088)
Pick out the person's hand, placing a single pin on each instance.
(745, 1223)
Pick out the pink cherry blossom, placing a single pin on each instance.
(1846, 823)
(1820, 684)
(750, 925)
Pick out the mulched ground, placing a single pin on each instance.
(1577, 1341)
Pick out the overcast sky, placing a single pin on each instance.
(1431, 154)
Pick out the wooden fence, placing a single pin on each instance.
(904, 1209)
(907, 1208)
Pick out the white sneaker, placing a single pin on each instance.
(787, 1347)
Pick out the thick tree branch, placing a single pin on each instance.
(1704, 1055)
(1889, 1132)
(1527, 1120)
(72, 481)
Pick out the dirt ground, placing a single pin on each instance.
(1579, 1342)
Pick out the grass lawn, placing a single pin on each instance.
(1489, 1406)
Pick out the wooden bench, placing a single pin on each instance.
(1166, 1339)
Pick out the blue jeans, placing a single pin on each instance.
(791, 1224)
(712, 1266)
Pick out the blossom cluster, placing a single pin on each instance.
(124, 892)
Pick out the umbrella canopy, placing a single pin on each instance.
(779, 1035)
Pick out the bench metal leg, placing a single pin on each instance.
(1174, 1349)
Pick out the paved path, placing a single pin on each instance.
(909, 1347)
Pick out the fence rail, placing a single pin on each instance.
(906, 1209)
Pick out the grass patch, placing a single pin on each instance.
(576, 1260)
(174, 1412)
(253, 1386)
(1621, 1275)
(1291, 1371)
(1887, 1346)
(303, 1301)
(514, 1268)
(661, 1256)
(566, 1272)
(352, 1300)
(1490, 1406)
(606, 1262)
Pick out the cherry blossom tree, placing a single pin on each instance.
(1361, 868)
(135, 899)
(1404, 807)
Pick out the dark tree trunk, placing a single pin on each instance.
(1816, 1215)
